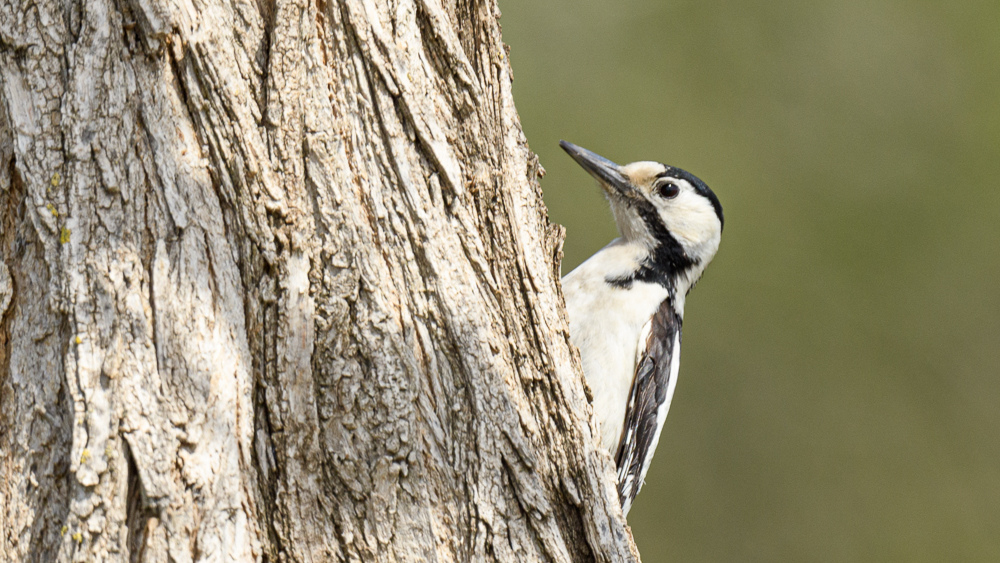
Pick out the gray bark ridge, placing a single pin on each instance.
(277, 284)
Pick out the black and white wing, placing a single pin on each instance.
(652, 388)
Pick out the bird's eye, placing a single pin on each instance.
(667, 190)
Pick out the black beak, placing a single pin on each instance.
(607, 172)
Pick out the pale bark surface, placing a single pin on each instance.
(277, 284)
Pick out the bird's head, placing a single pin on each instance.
(669, 212)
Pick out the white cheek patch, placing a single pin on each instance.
(691, 219)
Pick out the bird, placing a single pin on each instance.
(626, 302)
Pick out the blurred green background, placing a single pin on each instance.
(839, 396)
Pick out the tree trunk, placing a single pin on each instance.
(277, 284)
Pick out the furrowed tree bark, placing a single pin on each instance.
(277, 284)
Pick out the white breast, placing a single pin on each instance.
(606, 323)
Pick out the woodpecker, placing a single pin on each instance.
(626, 303)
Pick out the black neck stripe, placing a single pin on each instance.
(667, 259)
